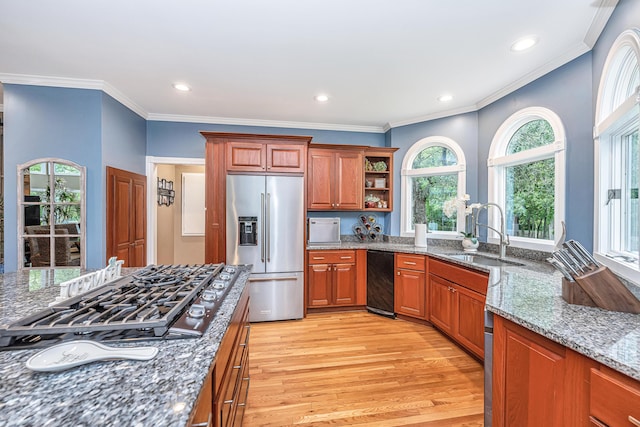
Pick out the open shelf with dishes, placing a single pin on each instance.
(378, 179)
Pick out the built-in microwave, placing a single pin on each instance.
(323, 230)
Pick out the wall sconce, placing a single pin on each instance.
(166, 195)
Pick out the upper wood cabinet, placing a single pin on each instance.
(335, 179)
(265, 156)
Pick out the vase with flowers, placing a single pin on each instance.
(452, 206)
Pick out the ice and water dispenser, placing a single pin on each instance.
(248, 230)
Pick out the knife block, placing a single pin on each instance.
(600, 288)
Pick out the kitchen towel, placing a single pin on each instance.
(421, 235)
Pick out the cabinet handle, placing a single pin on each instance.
(398, 273)
(634, 421)
(204, 424)
(337, 204)
(345, 257)
(318, 257)
(410, 263)
(228, 402)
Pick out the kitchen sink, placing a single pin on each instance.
(484, 260)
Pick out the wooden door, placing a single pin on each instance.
(126, 217)
(348, 174)
(245, 156)
(344, 284)
(469, 320)
(441, 300)
(410, 295)
(320, 283)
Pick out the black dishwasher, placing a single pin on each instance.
(380, 283)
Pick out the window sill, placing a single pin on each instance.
(626, 270)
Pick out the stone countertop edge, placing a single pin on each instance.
(531, 296)
(159, 392)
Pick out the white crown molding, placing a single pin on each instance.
(604, 11)
(25, 79)
(265, 123)
(535, 74)
(429, 117)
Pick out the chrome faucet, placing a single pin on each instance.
(504, 237)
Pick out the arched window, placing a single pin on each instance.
(51, 214)
(433, 171)
(527, 178)
(617, 219)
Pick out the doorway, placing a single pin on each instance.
(175, 235)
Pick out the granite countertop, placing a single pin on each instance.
(531, 296)
(159, 392)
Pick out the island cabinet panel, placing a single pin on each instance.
(332, 278)
(410, 287)
(231, 373)
(456, 303)
(538, 382)
(334, 179)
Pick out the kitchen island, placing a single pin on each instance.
(159, 392)
(530, 295)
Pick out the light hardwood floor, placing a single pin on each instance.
(357, 368)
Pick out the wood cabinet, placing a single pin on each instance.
(331, 278)
(378, 179)
(334, 179)
(265, 156)
(456, 303)
(223, 396)
(614, 399)
(537, 381)
(410, 287)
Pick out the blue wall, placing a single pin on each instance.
(51, 122)
(84, 126)
(175, 139)
(567, 92)
(462, 128)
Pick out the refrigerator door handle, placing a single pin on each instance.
(268, 227)
(262, 226)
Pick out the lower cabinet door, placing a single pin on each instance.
(345, 284)
(529, 379)
(410, 293)
(441, 303)
(470, 320)
(320, 284)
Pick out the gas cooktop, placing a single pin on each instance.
(156, 302)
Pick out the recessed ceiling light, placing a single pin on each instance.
(524, 43)
(445, 98)
(181, 87)
(321, 98)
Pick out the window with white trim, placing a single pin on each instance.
(617, 219)
(433, 171)
(526, 178)
(51, 214)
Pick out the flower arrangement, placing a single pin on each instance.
(451, 206)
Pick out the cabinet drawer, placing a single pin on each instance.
(332, 257)
(467, 278)
(615, 399)
(411, 262)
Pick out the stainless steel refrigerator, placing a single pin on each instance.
(265, 227)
